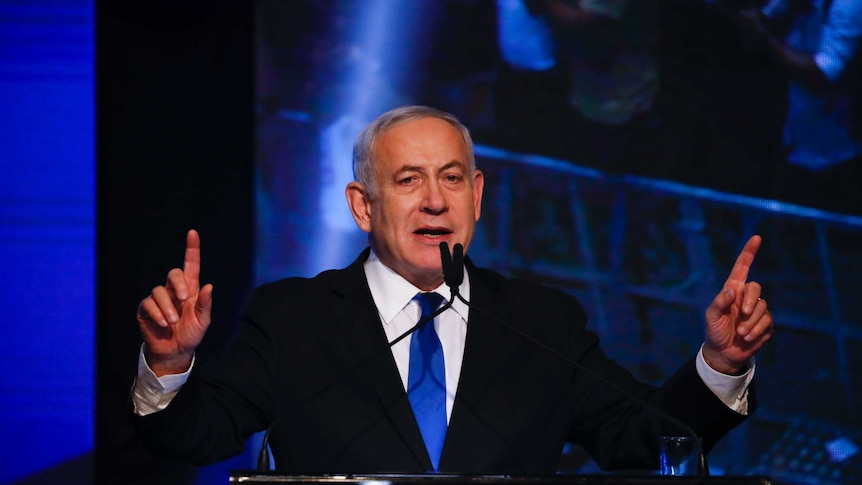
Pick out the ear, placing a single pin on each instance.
(478, 188)
(360, 205)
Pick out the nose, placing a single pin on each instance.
(434, 200)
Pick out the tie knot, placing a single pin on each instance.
(429, 302)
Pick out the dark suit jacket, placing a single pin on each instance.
(312, 361)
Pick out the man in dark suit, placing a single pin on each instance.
(312, 361)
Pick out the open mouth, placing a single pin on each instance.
(432, 232)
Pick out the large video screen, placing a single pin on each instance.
(629, 148)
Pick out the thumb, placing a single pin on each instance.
(204, 305)
(720, 304)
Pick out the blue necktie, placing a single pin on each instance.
(426, 380)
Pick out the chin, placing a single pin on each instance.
(428, 264)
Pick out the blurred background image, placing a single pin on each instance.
(630, 148)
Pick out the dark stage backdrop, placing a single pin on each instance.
(175, 151)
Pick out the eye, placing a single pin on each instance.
(407, 180)
(452, 178)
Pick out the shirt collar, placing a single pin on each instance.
(391, 292)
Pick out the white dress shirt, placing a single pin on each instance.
(399, 312)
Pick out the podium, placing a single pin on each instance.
(256, 478)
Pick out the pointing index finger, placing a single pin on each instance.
(739, 273)
(192, 261)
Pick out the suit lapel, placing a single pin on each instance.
(358, 322)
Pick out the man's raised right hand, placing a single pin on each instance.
(174, 317)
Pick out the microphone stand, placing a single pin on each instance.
(263, 455)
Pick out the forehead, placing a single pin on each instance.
(421, 140)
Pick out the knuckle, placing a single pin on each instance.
(145, 308)
(175, 275)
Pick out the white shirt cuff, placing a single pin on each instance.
(732, 390)
(151, 394)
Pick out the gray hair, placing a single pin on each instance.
(363, 156)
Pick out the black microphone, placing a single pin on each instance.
(458, 262)
(453, 266)
(453, 275)
(446, 262)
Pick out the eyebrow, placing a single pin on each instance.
(416, 168)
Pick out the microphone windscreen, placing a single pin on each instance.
(446, 261)
(457, 265)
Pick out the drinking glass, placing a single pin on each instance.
(678, 455)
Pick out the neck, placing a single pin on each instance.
(430, 285)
